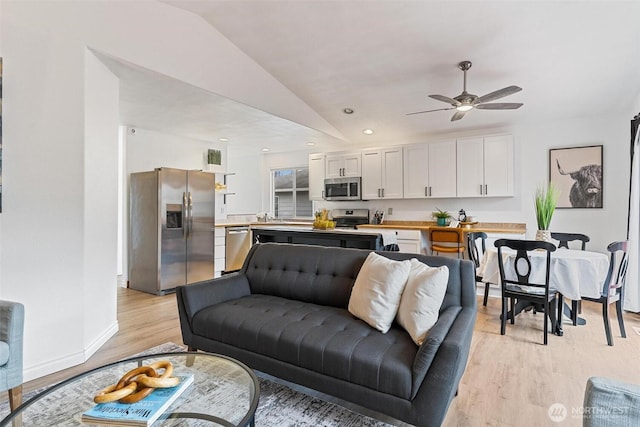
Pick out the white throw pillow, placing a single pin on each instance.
(422, 298)
(376, 293)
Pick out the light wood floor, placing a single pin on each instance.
(510, 380)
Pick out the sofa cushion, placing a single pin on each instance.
(324, 339)
(422, 298)
(316, 274)
(375, 296)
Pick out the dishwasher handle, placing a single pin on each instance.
(238, 231)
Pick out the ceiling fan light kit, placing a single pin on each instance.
(467, 101)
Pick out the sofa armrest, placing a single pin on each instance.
(431, 344)
(193, 298)
(609, 402)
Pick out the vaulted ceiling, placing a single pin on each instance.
(383, 58)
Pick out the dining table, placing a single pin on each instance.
(573, 273)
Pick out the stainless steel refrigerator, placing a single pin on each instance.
(171, 229)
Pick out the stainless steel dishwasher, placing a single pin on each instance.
(238, 242)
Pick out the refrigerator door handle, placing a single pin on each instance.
(185, 215)
(190, 214)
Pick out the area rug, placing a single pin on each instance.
(279, 406)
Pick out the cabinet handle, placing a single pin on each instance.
(481, 189)
(383, 192)
(426, 191)
(430, 191)
(378, 192)
(485, 190)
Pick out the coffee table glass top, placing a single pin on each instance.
(224, 392)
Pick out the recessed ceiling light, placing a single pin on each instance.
(368, 131)
(264, 150)
(311, 144)
(223, 139)
(347, 110)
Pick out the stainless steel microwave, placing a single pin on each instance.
(348, 188)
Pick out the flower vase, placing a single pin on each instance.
(543, 235)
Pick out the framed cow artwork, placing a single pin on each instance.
(577, 173)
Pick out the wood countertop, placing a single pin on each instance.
(487, 227)
(269, 223)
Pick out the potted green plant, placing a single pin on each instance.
(546, 198)
(441, 216)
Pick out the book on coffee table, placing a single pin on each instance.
(142, 413)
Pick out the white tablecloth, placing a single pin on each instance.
(573, 272)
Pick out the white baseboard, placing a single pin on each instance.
(73, 359)
(494, 290)
(100, 340)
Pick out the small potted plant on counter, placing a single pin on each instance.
(441, 216)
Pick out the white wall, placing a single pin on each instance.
(54, 163)
(147, 149)
(532, 144)
(101, 151)
(246, 183)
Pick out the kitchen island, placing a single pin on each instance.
(306, 235)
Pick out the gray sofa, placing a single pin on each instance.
(285, 313)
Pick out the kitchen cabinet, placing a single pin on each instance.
(382, 174)
(430, 170)
(485, 166)
(343, 165)
(410, 241)
(219, 251)
(316, 176)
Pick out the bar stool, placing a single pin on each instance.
(454, 236)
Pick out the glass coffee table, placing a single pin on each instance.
(224, 392)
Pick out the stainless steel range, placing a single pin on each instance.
(350, 218)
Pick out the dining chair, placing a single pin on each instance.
(522, 288)
(452, 235)
(613, 287)
(11, 339)
(475, 255)
(564, 239)
(563, 242)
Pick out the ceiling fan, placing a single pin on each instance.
(466, 101)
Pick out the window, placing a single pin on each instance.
(291, 193)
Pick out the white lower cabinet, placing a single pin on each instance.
(410, 241)
(219, 251)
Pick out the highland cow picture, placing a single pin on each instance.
(577, 173)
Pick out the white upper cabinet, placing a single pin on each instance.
(382, 174)
(430, 170)
(341, 165)
(316, 176)
(485, 166)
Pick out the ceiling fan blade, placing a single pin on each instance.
(501, 93)
(429, 111)
(458, 115)
(499, 106)
(445, 99)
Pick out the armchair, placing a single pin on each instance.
(11, 339)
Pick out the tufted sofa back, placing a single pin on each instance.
(325, 275)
